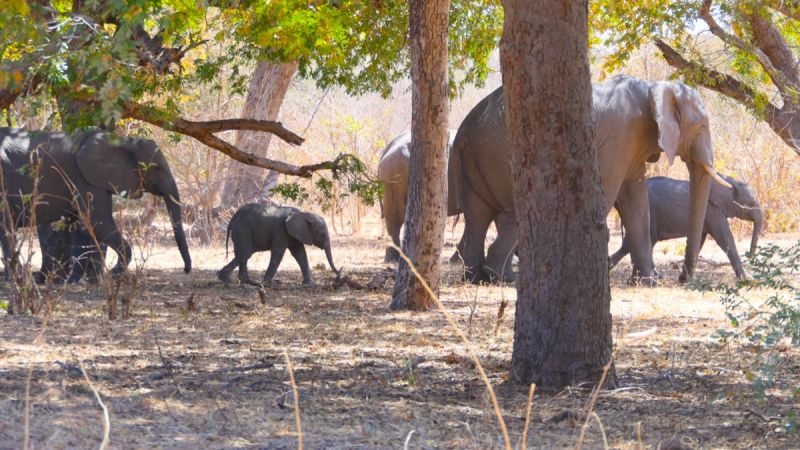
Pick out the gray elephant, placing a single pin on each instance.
(256, 228)
(80, 173)
(669, 219)
(393, 172)
(635, 120)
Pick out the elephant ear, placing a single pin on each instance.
(664, 107)
(721, 196)
(299, 227)
(106, 164)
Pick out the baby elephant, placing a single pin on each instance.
(669, 217)
(255, 228)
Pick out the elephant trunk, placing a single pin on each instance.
(700, 186)
(758, 225)
(329, 255)
(173, 202)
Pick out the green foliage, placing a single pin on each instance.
(765, 328)
(359, 45)
(290, 191)
(621, 27)
(348, 177)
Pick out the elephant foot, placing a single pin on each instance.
(506, 276)
(309, 284)
(392, 255)
(39, 278)
(456, 258)
(474, 276)
(651, 281)
(684, 277)
(224, 277)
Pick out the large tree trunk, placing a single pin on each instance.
(264, 99)
(425, 216)
(562, 329)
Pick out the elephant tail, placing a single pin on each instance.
(227, 238)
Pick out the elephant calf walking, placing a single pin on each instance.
(669, 218)
(256, 228)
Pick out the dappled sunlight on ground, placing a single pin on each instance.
(214, 376)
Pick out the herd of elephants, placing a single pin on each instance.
(64, 184)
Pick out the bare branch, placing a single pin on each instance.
(203, 132)
(770, 40)
(777, 77)
(784, 122)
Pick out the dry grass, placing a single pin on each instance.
(366, 377)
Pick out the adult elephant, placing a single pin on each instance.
(393, 172)
(635, 120)
(669, 202)
(78, 174)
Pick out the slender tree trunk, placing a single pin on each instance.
(562, 329)
(264, 99)
(425, 216)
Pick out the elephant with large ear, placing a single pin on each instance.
(669, 219)
(393, 172)
(635, 120)
(77, 175)
(256, 228)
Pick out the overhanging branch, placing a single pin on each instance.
(204, 132)
(789, 8)
(777, 77)
(784, 123)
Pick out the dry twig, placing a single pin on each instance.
(296, 400)
(467, 344)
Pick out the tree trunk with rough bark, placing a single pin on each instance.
(562, 329)
(425, 216)
(264, 99)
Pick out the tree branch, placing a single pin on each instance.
(784, 122)
(777, 77)
(789, 8)
(770, 40)
(204, 132)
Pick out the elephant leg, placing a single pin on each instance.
(456, 258)
(634, 209)
(6, 254)
(299, 253)
(87, 258)
(107, 233)
(477, 216)
(623, 251)
(242, 255)
(224, 274)
(394, 215)
(275, 257)
(721, 232)
(498, 258)
(55, 247)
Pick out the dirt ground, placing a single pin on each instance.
(214, 376)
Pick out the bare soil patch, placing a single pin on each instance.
(213, 376)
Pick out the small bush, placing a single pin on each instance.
(765, 328)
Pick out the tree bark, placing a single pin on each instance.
(562, 329)
(425, 216)
(264, 99)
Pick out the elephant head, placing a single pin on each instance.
(130, 167)
(310, 229)
(740, 201)
(683, 130)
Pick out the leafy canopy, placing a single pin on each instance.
(154, 52)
